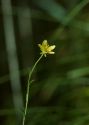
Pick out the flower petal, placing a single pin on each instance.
(50, 48)
(51, 52)
(40, 45)
(44, 43)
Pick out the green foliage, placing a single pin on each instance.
(59, 93)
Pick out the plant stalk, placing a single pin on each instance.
(28, 86)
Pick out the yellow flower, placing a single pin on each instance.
(45, 48)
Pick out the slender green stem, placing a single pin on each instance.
(27, 93)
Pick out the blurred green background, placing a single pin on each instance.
(59, 94)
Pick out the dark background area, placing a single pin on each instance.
(59, 94)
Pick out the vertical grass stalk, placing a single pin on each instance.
(28, 86)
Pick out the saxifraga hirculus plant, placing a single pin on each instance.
(45, 50)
